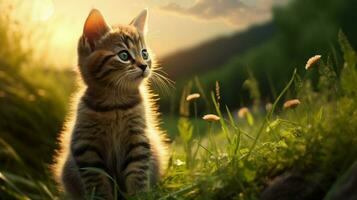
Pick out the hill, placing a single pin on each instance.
(214, 53)
(267, 53)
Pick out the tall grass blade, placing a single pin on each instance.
(270, 113)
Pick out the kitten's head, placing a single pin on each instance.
(114, 56)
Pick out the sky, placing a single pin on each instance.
(173, 25)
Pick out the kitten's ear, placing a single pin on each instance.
(140, 22)
(95, 27)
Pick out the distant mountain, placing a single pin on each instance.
(215, 53)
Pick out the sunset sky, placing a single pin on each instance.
(173, 25)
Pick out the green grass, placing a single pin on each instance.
(232, 158)
(33, 103)
(33, 106)
(227, 159)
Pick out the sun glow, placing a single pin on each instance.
(42, 10)
(57, 35)
(64, 43)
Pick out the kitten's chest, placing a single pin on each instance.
(118, 126)
(124, 130)
(123, 125)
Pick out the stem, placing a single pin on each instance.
(193, 157)
(183, 190)
(269, 115)
(196, 121)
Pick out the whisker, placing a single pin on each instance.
(169, 81)
(161, 83)
(159, 69)
(157, 82)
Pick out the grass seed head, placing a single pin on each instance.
(193, 96)
(210, 118)
(293, 103)
(243, 112)
(312, 61)
(218, 91)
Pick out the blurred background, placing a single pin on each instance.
(249, 48)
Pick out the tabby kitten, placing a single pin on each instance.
(114, 127)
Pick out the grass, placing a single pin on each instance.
(33, 103)
(233, 158)
(228, 159)
(32, 108)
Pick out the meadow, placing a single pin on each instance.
(304, 151)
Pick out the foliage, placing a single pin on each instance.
(33, 103)
(303, 28)
(228, 159)
(237, 161)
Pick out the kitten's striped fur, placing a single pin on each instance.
(114, 125)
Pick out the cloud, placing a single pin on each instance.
(236, 12)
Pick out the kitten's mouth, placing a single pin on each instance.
(140, 76)
(143, 75)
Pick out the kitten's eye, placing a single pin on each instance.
(124, 56)
(145, 54)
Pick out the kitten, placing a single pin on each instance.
(115, 126)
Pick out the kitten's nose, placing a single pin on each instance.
(143, 67)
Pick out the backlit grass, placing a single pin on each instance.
(232, 158)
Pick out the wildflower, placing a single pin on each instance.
(211, 118)
(291, 103)
(41, 92)
(243, 112)
(31, 97)
(223, 156)
(313, 60)
(268, 107)
(179, 162)
(192, 96)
